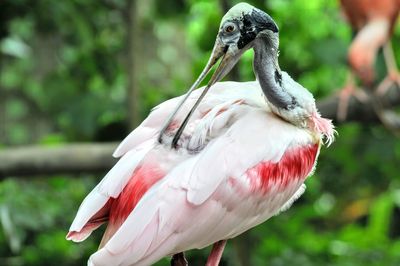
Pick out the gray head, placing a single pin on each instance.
(243, 23)
(241, 26)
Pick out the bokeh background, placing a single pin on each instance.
(81, 71)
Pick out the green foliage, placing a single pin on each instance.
(64, 74)
(35, 216)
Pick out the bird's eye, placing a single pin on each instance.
(229, 27)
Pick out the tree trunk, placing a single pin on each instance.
(132, 49)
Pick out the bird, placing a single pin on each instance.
(373, 23)
(209, 165)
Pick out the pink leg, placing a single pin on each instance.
(216, 253)
(389, 118)
(179, 260)
(362, 55)
(393, 76)
(345, 93)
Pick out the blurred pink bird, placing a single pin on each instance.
(238, 157)
(373, 23)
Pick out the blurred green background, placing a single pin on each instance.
(66, 68)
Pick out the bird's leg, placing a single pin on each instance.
(179, 260)
(393, 75)
(345, 93)
(389, 118)
(216, 253)
(362, 53)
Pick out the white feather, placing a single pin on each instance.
(93, 202)
(116, 179)
(297, 195)
(111, 185)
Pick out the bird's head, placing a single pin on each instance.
(238, 30)
(242, 24)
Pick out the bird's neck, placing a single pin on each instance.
(269, 75)
(287, 98)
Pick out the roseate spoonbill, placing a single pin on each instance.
(241, 158)
(373, 23)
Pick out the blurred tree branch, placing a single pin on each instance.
(70, 158)
(76, 158)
